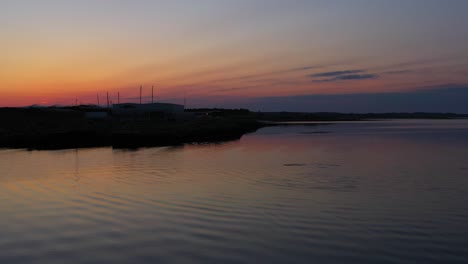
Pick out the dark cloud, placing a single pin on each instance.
(335, 73)
(353, 77)
(347, 75)
(357, 76)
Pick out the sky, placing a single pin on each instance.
(265, 55)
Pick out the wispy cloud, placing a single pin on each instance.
(355, 77)
(311, 67)
(346, 75)
(398, 72)
(335, 73)
(232, 89)
(277, 73)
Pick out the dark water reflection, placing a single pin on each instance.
(385, 192)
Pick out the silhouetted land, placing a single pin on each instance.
(60, 128)
(323, 116)
(330, 116)
(68, 127)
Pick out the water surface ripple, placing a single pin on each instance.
(367, 192)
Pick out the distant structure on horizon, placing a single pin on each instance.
(133, 110)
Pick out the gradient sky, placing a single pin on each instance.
(264, 54)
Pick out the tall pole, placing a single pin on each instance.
(118, 97)
(141, 88)
(107, 99)
(152, 94)
(97, 95)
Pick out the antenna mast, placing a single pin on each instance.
(141, 88)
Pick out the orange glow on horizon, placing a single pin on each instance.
(55, 52)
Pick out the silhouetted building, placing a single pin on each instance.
(154, 110)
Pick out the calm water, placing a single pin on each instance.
(382, 192)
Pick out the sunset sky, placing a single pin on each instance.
(359, 55)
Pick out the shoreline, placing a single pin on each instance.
(164, 135)
(68, 128)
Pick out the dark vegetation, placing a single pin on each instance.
(68, 127)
